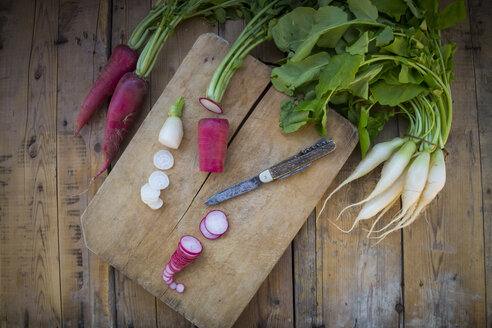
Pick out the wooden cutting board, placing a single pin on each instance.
(139, 241)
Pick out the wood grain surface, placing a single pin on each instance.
(51, 52)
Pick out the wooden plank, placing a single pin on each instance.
(304, 246)
(481, 38)
(172, 54)
(134, 306)
(443, 251)
(272, 304)
(30, 280)
(83, 38)
(357, 283)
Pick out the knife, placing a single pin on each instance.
(279, 171)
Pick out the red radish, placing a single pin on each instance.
(216, 222)
(210, 105)
(123, 60)
(123, 109)
(191, 244)
(173, 285)
(180, 288)
(212, 143)
(205, 232)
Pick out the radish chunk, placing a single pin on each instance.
(205, 232)
(156, 205)
(210, 105)
(180, 288)
(149, 194)
(212, 143)
(171, 132)
(123, 60)
(158, 180)
(163, 160)
(216, 222)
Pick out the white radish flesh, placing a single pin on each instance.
(205, 232)
(158, 180)
(210, 105)
(216, 222)
(163, 160)
(149, 194)
(180, 288)
(391, 171)
(378, 154)
(380, 202)
(191, 244)
(156, 205)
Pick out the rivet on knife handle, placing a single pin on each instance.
(308, 155)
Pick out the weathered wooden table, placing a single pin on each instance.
(433, 274)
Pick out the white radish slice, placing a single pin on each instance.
(158, 180)
(180, 288)
(149, 194)
(173, 285)
(216, 222)
(156, 205)
(163, 160)
(210, 105)
(205, 232)
(191, 244)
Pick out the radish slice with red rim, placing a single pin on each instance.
(210, 105)
(180, 288)
(191, 245)
(173, 285)
(216, 222)
(205, 232)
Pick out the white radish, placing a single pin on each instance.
(149, 194)
(435, 182)
(171, 132)
(386, 209)
(158, 180)
(378, 154)
(156, 205)
(163, 160)
(380, 202)
(415, 181)
(391, 171)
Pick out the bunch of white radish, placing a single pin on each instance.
(416, 176)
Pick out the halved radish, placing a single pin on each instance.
(180, 288)
(210, 105)
(173, 285)
(216, 222)
(158, 180)
(205, 232)
(191, 245)
(163, 160)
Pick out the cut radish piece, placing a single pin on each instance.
(216, 222)
(158, 180)
(186, 255)
(156, 205)
(205, 232)
(180, 288)
(163, 160)
(210, 105)
(149, 194)
(191, 245)
(173, 285)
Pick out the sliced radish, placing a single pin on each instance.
(149, 194)
(173, 285)
(163, 160)
(156, 205)
(180, 288)
(158, 180)
(210, 105)
(205, 232)
(185, 255)
(216, 222)
(191, 245)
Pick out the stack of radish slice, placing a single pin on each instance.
(214, 224)
(188, 249)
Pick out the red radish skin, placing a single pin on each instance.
(123, 60)
(123, 109)
(212, 143)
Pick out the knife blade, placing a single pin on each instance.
(279, 171)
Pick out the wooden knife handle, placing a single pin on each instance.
(306, 156)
